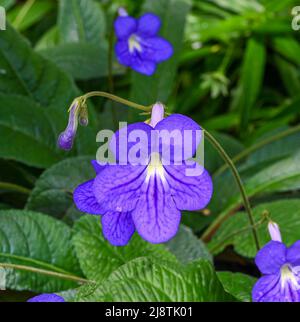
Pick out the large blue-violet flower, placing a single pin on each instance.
(138, 45)
(47, 298)
(147, 197)
(280, 266)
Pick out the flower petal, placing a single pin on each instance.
(156, 217)
(271, 257)
(122, 52)
(186, 136)
(293, 254)
(148, 25)
(97, 167)
(47, 298)
(125, 26)
(156, 49)
(85, 199)
(267, 289)
(117, 187)
(125, 139)
(145, 67)
(118, 227)
(191, 185)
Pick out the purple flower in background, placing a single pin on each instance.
(138, 45)
(280, 266)
(147, 197)
(47, 298)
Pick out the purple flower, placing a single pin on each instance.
(47, 298)
(147, 197)
(280, 266)
(138, 45)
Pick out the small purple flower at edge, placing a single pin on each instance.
(146, 198)
(138, 45)
(280, 266)
(46, 298)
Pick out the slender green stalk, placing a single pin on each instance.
(46, 272)
(23, 12)
(116, 99)
(239, 182)
(14, 187)
(257, 146)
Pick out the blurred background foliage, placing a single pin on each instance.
(236, 71)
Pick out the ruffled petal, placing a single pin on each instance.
(267, 289)
(117, 187)
(156, 217)
(47, 298)
(156, 49)
(85, 199)
(122, 52)
(118, 227)
(293, 254)
(271, 257)
(185, 137)
(125, 26)
(191, 185)
(125, 139)
(148, 25)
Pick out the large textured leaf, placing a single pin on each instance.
(148, 90)
(35, 240)
(237, 284)
(187, 247)
(82, 61)
(24, 72)
(53, 190)
(143, 280)
(81, 21)
(236, 231)
(98, 258)
(33, 143)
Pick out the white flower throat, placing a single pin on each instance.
(155, 167)
(134, 44)
(288, 276)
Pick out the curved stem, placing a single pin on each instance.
(14, 187)
(239, 182)
(46, 272)
(117, 99)
(257, 146)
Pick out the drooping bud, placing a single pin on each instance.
(66, 138)
(83, 115)
(274, 231)
(122, 12)
(158, 113)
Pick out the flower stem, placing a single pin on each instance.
(116, 99)
(46, 272)
(257, 146)
(239, 182)
(14, 187)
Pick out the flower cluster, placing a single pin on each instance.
(280, 266)
(147, 198)
(138, 45)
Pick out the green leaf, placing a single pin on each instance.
(237, 284)
(98, 258)
(148, 90)
(288, 47)
(26, 73)
(53, 190)
(143, 280)
(236, 230)
(251, 79)
(35, 240)
(7, 4)
(187, 247)
(34, 144)
(80, 61)
(81, 21)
